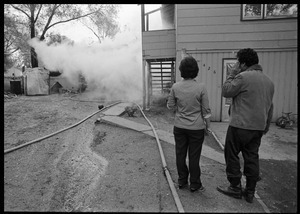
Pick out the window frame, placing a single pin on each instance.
(243, 18)
(263, 16)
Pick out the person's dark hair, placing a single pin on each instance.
(188, 67)
(247, 56)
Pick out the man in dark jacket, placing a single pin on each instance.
(250, 116)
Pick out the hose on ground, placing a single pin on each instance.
(218, 141)
(171, 184)
(50, 135)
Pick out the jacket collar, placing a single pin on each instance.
(254, 67)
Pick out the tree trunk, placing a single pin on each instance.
(34, 60)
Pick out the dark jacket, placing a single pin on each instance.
(252, 92)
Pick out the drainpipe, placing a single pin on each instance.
(143, 54)
(149, 86)
(144, 84)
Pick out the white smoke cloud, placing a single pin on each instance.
(112, 68)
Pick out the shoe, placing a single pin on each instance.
(201, 189)
(249, 195)
(181, 186)
(233, 191)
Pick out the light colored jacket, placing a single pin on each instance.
(252, 92)
(190, 100)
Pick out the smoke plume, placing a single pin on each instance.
(112, 69)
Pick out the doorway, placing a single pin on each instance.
(226, 102)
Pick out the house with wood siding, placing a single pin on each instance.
(212, 34)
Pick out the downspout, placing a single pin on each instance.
(143, 55)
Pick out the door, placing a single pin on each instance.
(226, 102)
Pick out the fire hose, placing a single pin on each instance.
(50, 135)
(167, 173)
(101, 108)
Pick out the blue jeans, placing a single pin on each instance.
(188, 142)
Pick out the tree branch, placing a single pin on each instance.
(9, 53)
(72, 19)
(21, 10)
(98, 37)
(37, 15)
(49, 21)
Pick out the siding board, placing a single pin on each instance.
(238, 28)
(247, 36)
(159, 44)
(206, 6)
(231, 45)
(207, 12)
(208, 21)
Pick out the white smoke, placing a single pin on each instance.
(112, 68)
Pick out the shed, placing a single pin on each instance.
(12, 76)
(13, 71)
(36, 81)
(55, 88)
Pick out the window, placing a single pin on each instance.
(159, 17)
(269, 11)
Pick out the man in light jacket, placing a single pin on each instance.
(250, 116)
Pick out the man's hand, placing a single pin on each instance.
(207, 131)
(235, 69)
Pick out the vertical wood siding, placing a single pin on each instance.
(279, 66)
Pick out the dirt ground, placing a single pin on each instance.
(100, 167)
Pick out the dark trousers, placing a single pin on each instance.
(188, 142)
(248, 142)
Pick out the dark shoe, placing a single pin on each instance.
(181, 186)
(249, 195)
(201, 189)
(233, 191)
